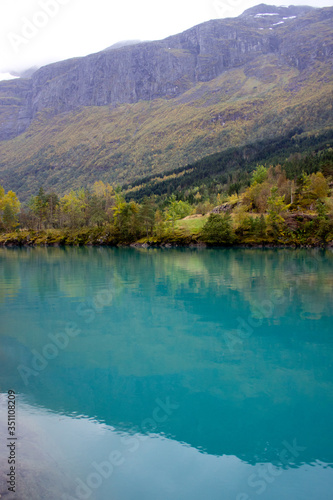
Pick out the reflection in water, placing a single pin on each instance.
(205, 361)
(74, 457)
(40, 468)
(10, 282)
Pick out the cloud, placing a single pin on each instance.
(7, 76)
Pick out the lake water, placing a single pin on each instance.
(150, 374)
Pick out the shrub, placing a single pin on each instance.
(218, 230)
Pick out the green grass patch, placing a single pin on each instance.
(192, 225)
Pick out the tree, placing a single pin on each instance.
(256, 196)
(45, 209)
(96, 214)
(259, 175)
(276, 206)
(302, 187)
(261, 227)
(9, 218)
(160, 225)
(52, 202)
(74, 205)
(38, 206)
(177, 210)
(125, 218)
(254, 227)
(147, 215)
(218, 230)
(106, 193)
(9, 209)
(324, 223)
(318, 187)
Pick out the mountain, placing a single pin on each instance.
(25, 73)
(150, 107)
(123, 43)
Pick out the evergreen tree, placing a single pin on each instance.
(218, 230)
(147, 215)
(9, 218)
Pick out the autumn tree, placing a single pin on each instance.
(318, 187)
(73, 206)
(106, 193)
(255, 197)
(95, 211)
(276, 207)
(310, 189)
(9, 209)
(125, 218)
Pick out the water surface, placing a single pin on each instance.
(168, 374)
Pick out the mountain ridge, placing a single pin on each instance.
(151, 70)
(119, 113)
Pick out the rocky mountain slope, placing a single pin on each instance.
(151, 106)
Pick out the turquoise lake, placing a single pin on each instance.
(175, 374)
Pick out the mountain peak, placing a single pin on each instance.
(123, 43)
(265, 16)
(264, 10)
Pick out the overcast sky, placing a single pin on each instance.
(36, 32)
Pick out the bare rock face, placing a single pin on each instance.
(163, 69)
(15, 111)
(224, 208)
(150, 70)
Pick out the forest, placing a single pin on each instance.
(225, 199)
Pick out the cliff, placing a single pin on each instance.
(167, 68)
(148, 107)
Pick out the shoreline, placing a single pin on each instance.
(35, 239)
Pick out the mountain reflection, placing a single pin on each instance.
(169, 331)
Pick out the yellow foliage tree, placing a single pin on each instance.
(106, 192)
(103, 190)
(318, 188)
(256, 196)
(9, 209)
(74, 204)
